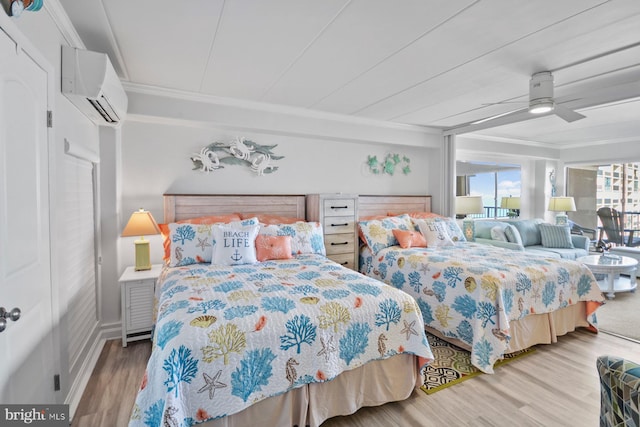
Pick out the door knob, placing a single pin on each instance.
(4, 314)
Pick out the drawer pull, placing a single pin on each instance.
(344, 263)
(340, 225)
(339, 207)
(340, 243)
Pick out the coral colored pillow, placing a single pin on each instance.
(273, 247)
(409, 238)
(212, 219)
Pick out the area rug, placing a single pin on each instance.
(452, 365)
(621, 315)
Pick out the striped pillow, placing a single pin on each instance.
(555, 236)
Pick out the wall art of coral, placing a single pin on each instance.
(389, 164)
(258, 158)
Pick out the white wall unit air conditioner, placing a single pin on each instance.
(91, 83)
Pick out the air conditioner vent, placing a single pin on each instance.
(91, 83)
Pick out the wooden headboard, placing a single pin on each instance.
(184, 206)
(382, 205)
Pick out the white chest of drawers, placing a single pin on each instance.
(338, 214)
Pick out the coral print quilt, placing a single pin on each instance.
(229, 336)
(472, 292)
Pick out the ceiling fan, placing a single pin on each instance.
(541, 100)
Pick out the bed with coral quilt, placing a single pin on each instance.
(474, 293)
(229, 338)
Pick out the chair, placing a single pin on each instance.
(619, 392)
(580, 230)
(614, 230)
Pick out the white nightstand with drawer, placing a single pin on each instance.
(137, 289)
(338, 214)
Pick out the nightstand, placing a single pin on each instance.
(137, 289)
(338, 214)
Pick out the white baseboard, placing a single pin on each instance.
(107, 332)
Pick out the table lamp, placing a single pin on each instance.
(562, 204)
(511, 203)
(140, 224)
(466, 205)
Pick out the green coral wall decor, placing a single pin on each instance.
(389, 165)
(239, 152)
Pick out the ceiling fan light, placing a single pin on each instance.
(541, 106)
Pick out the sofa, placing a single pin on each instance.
(619, 391)
(533, 236)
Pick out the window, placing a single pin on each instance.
(491, 181)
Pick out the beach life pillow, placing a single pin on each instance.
(453, 229)
(306, 237)
(273, 247)
(378, 233)
(193, 243)
(234, 245)
(434, 232)
(210, 219)
(556, 236)
(409, 238)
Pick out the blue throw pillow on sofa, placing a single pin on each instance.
(555, 236)
(529, 231)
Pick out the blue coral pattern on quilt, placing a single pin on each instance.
(227, 337)
(471, 291)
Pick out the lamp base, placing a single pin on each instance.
(143, 256)
(562, 219)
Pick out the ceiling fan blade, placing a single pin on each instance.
(567, 114)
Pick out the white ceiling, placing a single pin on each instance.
(425, 62)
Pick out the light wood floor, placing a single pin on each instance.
(557, 385)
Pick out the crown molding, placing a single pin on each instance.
(62, 21)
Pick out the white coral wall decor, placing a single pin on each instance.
(389, 164)
(258, 158)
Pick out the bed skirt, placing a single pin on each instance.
(373, 384)
(535, 329)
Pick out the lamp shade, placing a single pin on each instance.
(141, 223)
(469, 205)
(562, 204)
(510, 203)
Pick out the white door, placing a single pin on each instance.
(26, 346)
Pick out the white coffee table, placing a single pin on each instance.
(613, 267)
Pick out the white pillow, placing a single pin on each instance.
(434, 232)
(233, 245)
(497, 233)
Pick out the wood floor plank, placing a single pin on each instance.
(557, 385)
